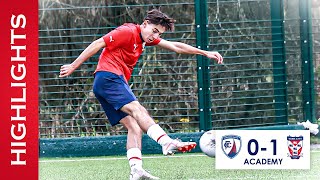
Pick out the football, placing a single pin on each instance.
(207, 143)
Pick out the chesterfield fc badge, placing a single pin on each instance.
(231, 145)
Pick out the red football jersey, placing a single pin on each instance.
(124, 45)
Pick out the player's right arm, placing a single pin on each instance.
(92, 49)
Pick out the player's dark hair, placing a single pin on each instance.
(155, 16)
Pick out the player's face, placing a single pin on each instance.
(150, 32)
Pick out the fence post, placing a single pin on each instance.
(204, 101)
(279, 61)
(307, 60)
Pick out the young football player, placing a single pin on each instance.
(122, 48)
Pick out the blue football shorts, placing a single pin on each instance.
(113, 92)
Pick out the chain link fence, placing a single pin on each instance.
(243, 91)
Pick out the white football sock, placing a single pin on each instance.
(135, 158)
(158, 134)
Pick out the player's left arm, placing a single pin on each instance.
(182, 48)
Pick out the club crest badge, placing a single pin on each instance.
(295, 144)
(231, 145)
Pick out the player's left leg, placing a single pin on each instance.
(133, 141)
(134, 149)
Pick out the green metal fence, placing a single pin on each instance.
(262, 82)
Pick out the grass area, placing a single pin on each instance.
(315, 139)
(182, 166)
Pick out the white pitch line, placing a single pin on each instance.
(124, 158)
(120, 158)
(260, 178)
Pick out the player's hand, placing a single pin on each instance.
(215, 55)
(66, 70)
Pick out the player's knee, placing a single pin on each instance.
(133, 108)
(140, 109)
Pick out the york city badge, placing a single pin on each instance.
(295, 144)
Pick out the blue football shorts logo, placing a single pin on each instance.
(231, 145)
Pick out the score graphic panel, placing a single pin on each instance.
(262, 149)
